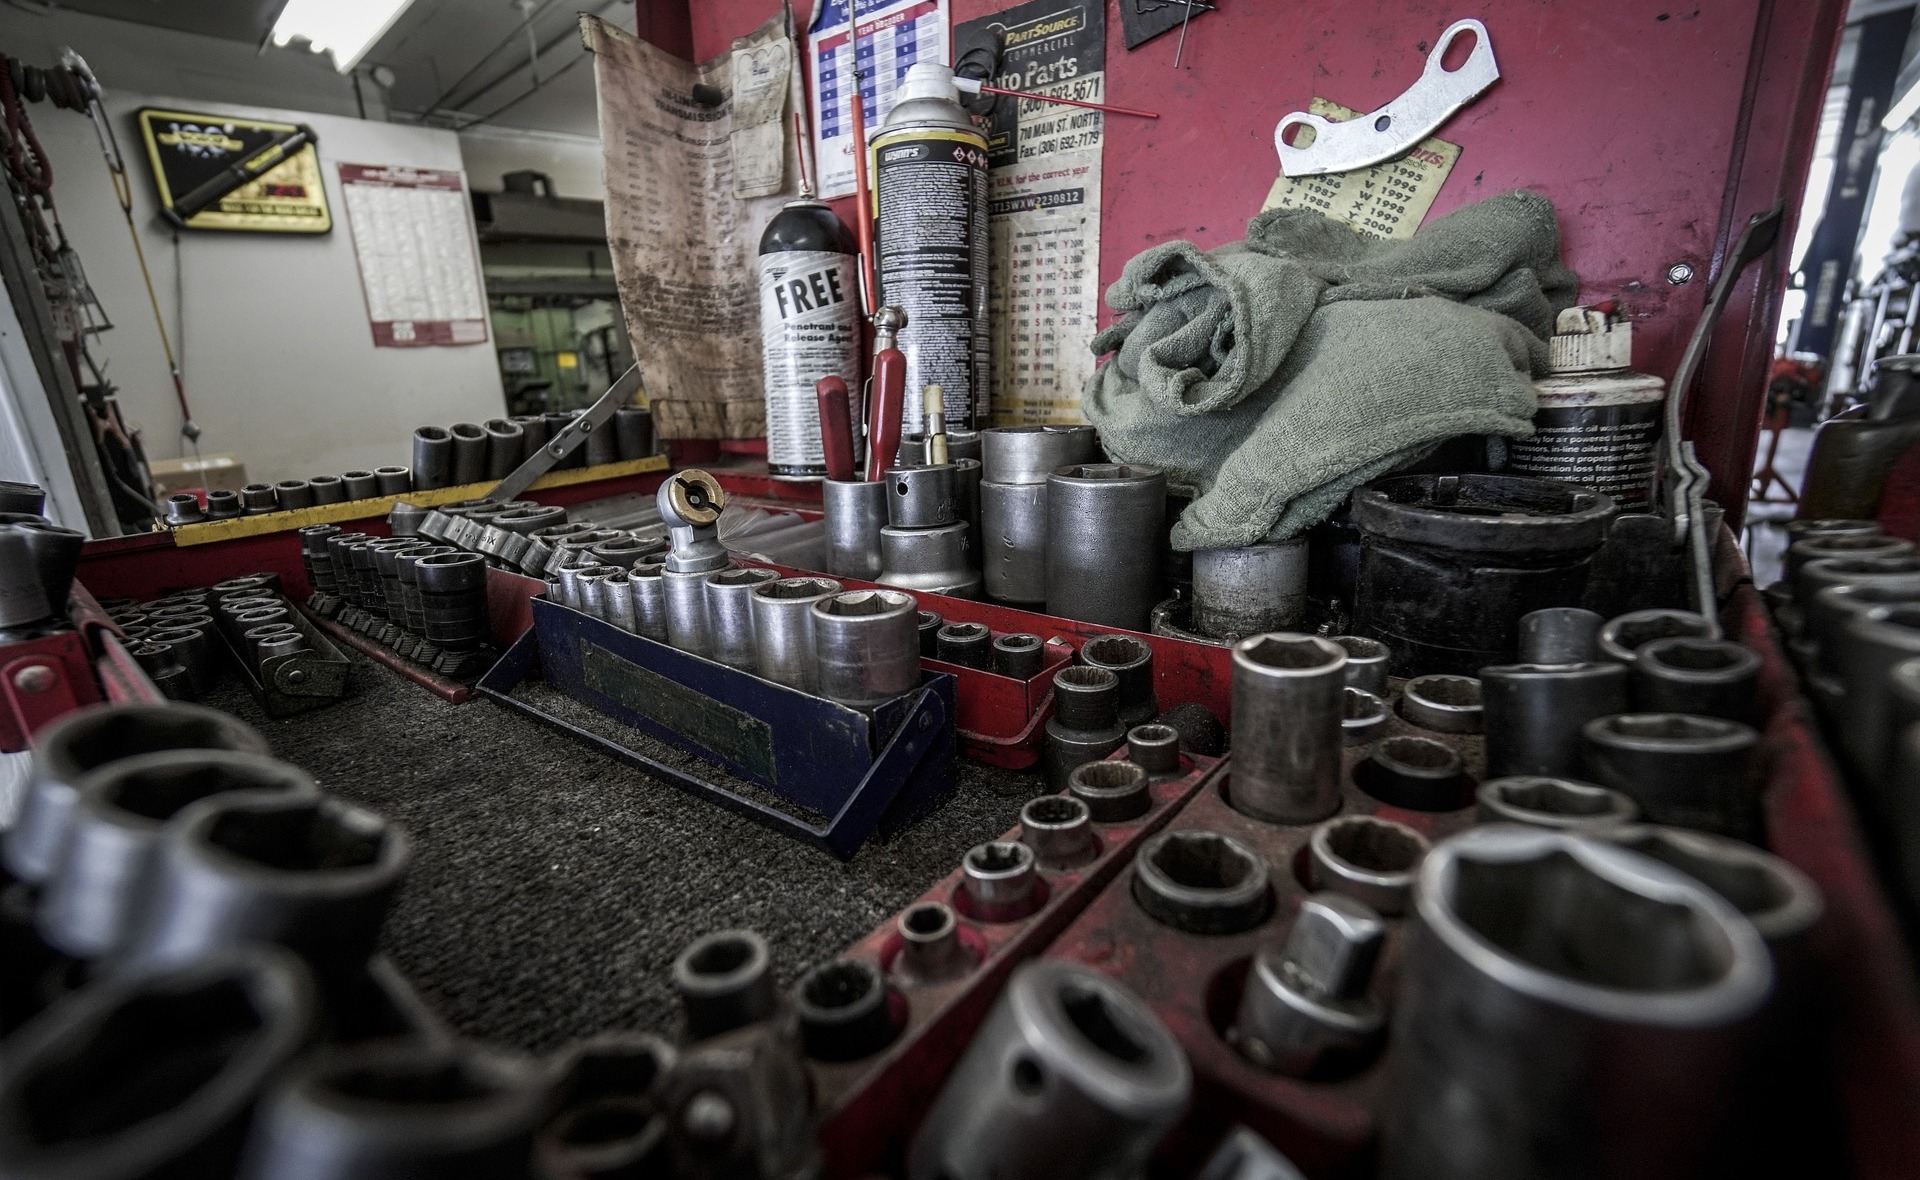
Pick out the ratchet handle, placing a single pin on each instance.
(889, 403)
(836, 427)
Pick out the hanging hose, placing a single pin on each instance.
(123, 192)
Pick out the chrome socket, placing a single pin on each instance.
(1251, 590)
(1106, 528)
(931, 950)
(730, 614)
(1367, 661)
(1131, 660)
(1707, 677)
(725, 981)
(868, 645)
(1202, 882)
(1155, 748)
(1113, 791)
(1367, 858)
(924, 497)
(1305, 1012)
(1560, 803)
(647, 587)
(1013, 532)
(1692, 772)
(1869, 648)
(1070, 1075)
(1622, 638)
(1782, 902)
(1364, 718)
(999, 881)
(1560, 635)
(1526, 923)
(930, 560)
(258, 498)
(1443, 704)
(689, 627)
(1059, 829)
(1417, 773)
(854, 512)
(1288, 702)
(783, 629)
(1535, 713)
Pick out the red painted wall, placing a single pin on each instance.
(1656, 126)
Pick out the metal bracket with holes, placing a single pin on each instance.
(1402, 123)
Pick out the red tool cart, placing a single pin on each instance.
(1657, 130)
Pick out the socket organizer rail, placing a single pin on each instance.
(1194, 981)
(301, 682)
(1003, 726)
(861, 772)
(870, 1106)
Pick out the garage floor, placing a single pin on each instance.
(552, 886)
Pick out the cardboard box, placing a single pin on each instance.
(214, 473)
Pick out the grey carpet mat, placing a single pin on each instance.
(552, 885)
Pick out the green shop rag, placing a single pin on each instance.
(1275, 375)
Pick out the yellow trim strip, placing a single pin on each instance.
(232, 529)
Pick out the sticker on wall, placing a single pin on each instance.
(893, 35)
(419, 261)
(221, 172)
(1388, 200)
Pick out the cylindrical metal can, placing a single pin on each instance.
(930, 192)
(809, 329)
(1106, 526)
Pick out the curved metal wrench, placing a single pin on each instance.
(1402, 123)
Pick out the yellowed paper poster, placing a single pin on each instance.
(1388, 200)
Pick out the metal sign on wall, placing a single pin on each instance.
(419, 260)
(188, 150)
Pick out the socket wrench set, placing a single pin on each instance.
(930, 975)
(186, 639)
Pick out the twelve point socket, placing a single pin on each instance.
(1113, 790)
(1202, 882)
(1443, 704)
(1370, 859)
(1544, 802)
(1085, 725)
(1059, 829)
(1131, 660)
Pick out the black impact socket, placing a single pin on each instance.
(469, 452)
(432, 458)
(1706, 677)
(969, 645)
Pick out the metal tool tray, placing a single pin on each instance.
(864, 771)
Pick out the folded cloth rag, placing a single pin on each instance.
(1276, 375)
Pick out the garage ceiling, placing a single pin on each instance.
(454, 62)
(231, 20)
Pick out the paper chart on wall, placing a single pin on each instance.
(419, 264)
(894, 34)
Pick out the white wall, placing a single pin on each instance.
(279, 360)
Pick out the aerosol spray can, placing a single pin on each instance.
(1599, 421)
(930, 199)
(809, 329)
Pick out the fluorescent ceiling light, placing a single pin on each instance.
(344, 28)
